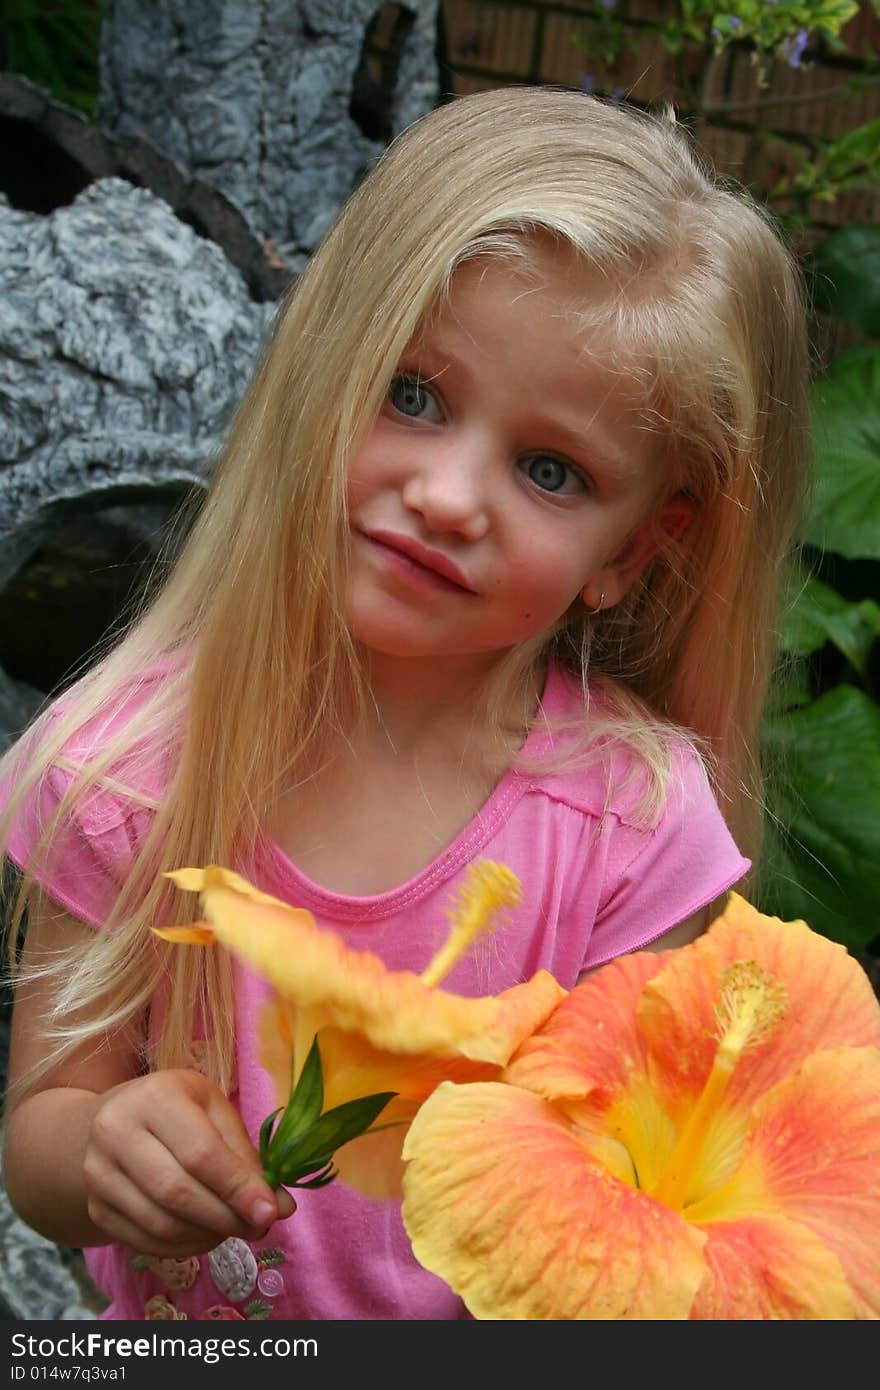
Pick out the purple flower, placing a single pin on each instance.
(791, 48)
(608, 4)
(588, 82)
(735, 22)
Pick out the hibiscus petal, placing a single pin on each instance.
(198, 934)
(353, 1067)
(503, 1202)
(813, 1154)
(372, 1164)
(765, 1267)
(830, 1003)
(590, 1044)
(393, 1009)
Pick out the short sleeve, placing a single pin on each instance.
(656, 878)
(90, 854)
(93, 847)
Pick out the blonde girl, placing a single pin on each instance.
(489, 567)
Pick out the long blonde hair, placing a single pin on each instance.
(251, 619)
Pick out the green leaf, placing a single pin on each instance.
(266, 1134)
(315, 1147)
(845, 274)
(819, 615)
(846, 428)
(305, 1103)
(822, 858)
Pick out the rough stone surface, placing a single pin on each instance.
(273, 102)
(38, 1279)
(18, 704)
(49, 153)
(124, 341)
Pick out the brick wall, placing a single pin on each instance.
(493, 42)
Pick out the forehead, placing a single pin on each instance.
(552, 295)
(533, 341)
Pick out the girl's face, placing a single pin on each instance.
(508, 476)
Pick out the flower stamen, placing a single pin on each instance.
(751, 1003)
(488, 888)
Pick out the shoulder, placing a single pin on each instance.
(124, 742)
(84, 788)
(608, 778)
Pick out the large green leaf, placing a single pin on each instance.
(823, 836)
(846, 436)
(818, 614)
(845, 276)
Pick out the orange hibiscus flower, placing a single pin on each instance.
(377, 1030)
(691, 1134)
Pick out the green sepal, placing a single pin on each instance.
(266, 1134)
(300, 1151)
(306, 1101)
(320, 1179)
(285, 1164)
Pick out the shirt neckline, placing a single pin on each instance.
(290, 883)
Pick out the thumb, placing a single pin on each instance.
(286, 1203)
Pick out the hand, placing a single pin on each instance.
(169, 1168)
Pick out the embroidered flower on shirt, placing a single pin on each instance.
(174, 1273)
(233, 1268)
(161, 1309)
(258, 1311)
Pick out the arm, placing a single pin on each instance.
(680, 935)
(98, 1152)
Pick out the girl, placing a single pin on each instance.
(489, 568)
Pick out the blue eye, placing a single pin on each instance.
(552, 474)
(411, 397)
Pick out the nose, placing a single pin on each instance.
(448, 486)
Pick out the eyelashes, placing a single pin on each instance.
(410, 397)
(553, 474)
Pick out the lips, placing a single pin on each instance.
(434, 561)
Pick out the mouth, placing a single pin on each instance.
(419, 562)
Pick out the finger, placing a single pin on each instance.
(160, 1188)
(286, 1203)
(148, 1230)
(230, 1171)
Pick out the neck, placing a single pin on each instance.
(418, 705)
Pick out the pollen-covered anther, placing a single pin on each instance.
(488, 888)
(751, 1002)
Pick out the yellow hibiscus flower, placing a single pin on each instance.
(378, 1030)
(691, 1134)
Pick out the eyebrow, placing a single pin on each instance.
(614, 462)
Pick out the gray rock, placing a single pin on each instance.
(18, 705)
(124, 340)
(276, 104)
(38, 1279)
(77, 152)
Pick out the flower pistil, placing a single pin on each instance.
(751, 1003)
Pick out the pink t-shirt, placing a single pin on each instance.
(595, 884)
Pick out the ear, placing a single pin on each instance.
(666, 524)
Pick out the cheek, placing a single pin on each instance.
(549, 580)
(367, 468)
